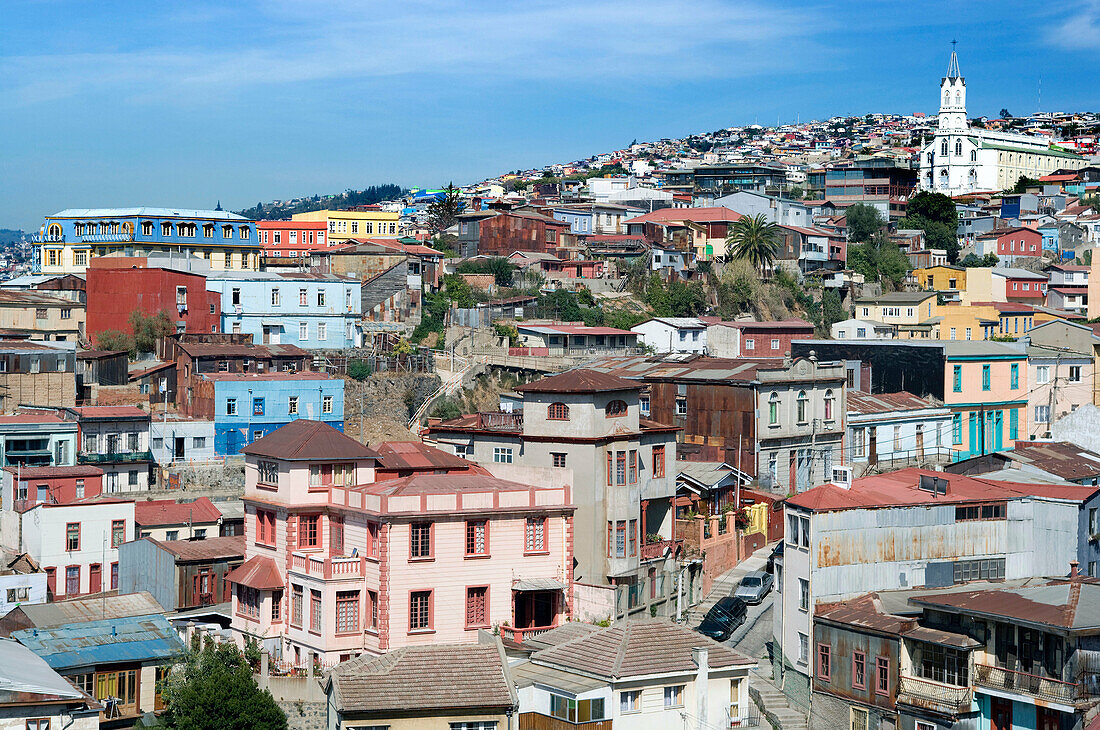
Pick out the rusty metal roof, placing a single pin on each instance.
(865, 403)
(418, 456)
(1064, 603)
(259, 572)
(582, 380)
(1060, 458)
(865, 612)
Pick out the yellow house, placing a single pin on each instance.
(912, 313)
(344, 225)
(941, 278)
(967, 321)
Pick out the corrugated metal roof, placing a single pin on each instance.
(135, 639)
(864, 403)
(122, 605)
(221, 215)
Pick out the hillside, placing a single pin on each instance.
(283, 209)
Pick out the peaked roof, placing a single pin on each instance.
(259, 572)
(433, 677)
(953, 67)
(170, 512)
(638, 647)
(419, 456)
(581, 380)
(306, 440)
(132, 639)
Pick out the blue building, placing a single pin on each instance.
(1050, 237)
(248, 405)
(69, 239)
(312, 311)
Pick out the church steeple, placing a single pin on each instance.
(953, 96)
(953, 67)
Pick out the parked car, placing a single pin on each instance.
(723, 619)
(754, 586)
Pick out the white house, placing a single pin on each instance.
(783, 211)
(861, 329)
(891, 430)
(673, 334)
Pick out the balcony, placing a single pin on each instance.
(318, 566)
(45, 238)
(500, 420)
(657, 550)
(1032, 685)
(520, 635)
(538, 721)
(946, 699)
(118, 457)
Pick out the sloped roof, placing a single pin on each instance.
(59, 613)
(153, 512)
(418, 456)
(306, 440)
(132, 639)
(429, 678)
(1060, 458)
(211, 548)
(859, 402)
(1066, 603)
(146, 211)
(719, 214)
(580, 380)
(638, 647)
(259, 572)
(54, 472)
(27, 678)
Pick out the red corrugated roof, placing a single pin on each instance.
(169, 512)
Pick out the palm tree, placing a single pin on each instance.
(755, 240)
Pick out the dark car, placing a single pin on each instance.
(723, 619)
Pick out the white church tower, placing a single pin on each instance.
(953, 98)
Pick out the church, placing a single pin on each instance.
(961, 159)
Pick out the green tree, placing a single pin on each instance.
(443, 213)
(116, 340)
(796, 193)
(832, 311)
(148, 328)
(974, 261)
(501, 268)
(934, 207)
(215, 690)
(863, 221)
(1023, 183)
(358, 370)
(458, 291)
(1005, 113)
(754, 239)
(879, 259)
(445, 408)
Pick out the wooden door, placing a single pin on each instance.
(872, 446)
(920, 442)
(1001, 714)
(95, 584)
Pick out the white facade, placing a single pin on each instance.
(182, 440)
(911, 438)
(673, 334)
(115, 443)
(46, 538)
(960, 159)
(20, 589)
(861, 329)
(777, 210)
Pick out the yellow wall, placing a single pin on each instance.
(962, 316)
(906, 313)
(938, 278)
(347, 224)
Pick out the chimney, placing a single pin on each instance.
(702, 677)
(1073, 565)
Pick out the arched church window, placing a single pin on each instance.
(946, 98)
(973, 155)
(943, 148)
(958, 148)
(958, 98)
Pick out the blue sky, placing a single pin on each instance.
(169, 103)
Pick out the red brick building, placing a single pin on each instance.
(117, 287)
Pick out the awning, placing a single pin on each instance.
(538, 584)
(271, 323)
(259, 572)
(942, 638)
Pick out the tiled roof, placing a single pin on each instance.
(306, 440)
(638, 647)
(428, 678)
(864, 403)
(212, 548)
(259, 572)
(579, 381)
(108, 413)
(418, 455)
(151, 513)
(228, 349)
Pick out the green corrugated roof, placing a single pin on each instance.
(1050, 151)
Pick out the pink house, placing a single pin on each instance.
(338, 564)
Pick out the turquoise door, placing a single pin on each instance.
(998, 423)
(973, 433)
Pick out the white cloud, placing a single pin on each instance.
(1080, 29)
(597, 43)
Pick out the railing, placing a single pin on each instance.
(105, 237)
(654, 550)
(501, 420)
(948, 699)
(327, 568)
(119, 457)
(538, 721)
(46, 238)
(1046, 688)
(519, 635)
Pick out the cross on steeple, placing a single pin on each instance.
(953, 68)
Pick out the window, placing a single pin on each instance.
(803, 403)
(502, 455)
(1042, 414)
(534, 535)
(276, 297)
(633, 537)
(118, 532)
(643, 405)
(276, 606)
(322, 331)
(986, 569)
(265, 527)
(681, 406)
(859, 442)
(248, 602)
(18, 594)
(315, 611)
(326, 404)
(172, 535)
(957, 379)
(230, 406)
(957, 429)
(268, 472)
(630, 701)
(882, 675)
(303, 297)
(557, 412)
(477, 538)
(674, 696)
(1042, 374)
(43, 724)
(859, 670)
(308, 533)
(296, 601)
(292, 405)
(72, 536)
(576, 710)
(750, 343)
(420, 540)
(72, 580)
(321, 298)
(824, 662)
(803, 594)
(1075, 373)
(615, 408)
(620, 467)
(658, 461)
(477, 607)
(557, 459)
(985, 377)
(803, 648)
(859, 719)
(347, 612)
(420, 611)
(829, 398)
(616, 539)
(303, 330)
(633, 463)
(114, 576)
(979, 512)
(773, 409)
(775, 344)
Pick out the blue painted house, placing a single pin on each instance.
(246, 406)
(312, 311)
